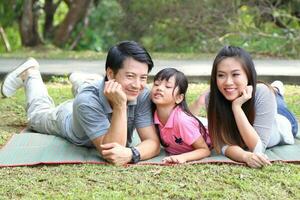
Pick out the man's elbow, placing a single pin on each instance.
(156, 147)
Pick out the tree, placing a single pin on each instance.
(50, 8)
(78, 9)
(59, 35)
(28, 24)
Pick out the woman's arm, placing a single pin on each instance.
(254, 160)
(256, 137)
(201, 151)
(246, 130)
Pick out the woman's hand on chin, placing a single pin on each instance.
(246, 94)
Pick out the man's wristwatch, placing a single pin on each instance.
(135, 155)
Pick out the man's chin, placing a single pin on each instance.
(131, 98)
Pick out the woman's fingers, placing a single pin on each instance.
(257, 160)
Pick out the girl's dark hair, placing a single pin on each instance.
(182, 83)
(221, 122)
(126, 49)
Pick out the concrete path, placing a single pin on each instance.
(287, 71)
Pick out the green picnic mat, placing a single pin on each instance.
(31, 148)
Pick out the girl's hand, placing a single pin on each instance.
(245, 96)
(174, 159)
(256, 160)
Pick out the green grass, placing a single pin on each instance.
(198, 181)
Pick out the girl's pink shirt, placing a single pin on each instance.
(180, 131)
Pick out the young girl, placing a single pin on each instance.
(181, 133)
(244, 118)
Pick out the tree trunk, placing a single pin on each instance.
(49, 9)
(28, 25)
(77, 11)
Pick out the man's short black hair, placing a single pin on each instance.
(127, 49)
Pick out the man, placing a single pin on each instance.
(103, 114)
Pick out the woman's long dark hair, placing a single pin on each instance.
(182, 83)
(221, 122)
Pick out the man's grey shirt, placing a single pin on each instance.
(91, 116)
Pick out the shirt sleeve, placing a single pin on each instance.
(91, 117)
(189, 129)
(265, 111)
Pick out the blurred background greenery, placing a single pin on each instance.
(263, 27)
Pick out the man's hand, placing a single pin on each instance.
(114, 93)
(116, 154)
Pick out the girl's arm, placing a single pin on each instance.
(198, 103)
(201, 151)
(254, 160)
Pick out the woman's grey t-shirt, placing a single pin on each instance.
(265, 111)
(91, 116)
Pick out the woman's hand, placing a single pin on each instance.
(256, 160)
(246, 94)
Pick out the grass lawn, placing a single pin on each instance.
(198, 181)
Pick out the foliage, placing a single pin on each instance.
(104, 19)
(9, 12)
(263, 27)
(13, 38)
(253, 32)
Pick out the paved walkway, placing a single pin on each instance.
(287, 71)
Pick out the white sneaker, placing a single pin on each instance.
(279, 86)
(79, 79)
(285, 129)
(12, 81)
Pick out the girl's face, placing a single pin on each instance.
(231, 78)
(163, 93)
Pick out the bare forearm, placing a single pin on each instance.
(236, 153)
(118, 128)
(148, 148)
(197, 154)
(197, 105)
(247, 132)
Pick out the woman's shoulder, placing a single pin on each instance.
(264, 93)
(263, 89)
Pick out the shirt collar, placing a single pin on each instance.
(170, 121)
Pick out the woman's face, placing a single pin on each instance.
(231, 78)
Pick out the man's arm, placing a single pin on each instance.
(148, 148)
(118, 127)
(150, 145)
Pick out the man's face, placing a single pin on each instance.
(132, 76)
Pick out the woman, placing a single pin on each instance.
(244, 118)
